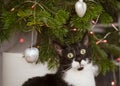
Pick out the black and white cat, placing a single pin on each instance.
(75, 67)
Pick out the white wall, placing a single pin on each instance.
(16, 70)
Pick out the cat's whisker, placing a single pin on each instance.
(67, 65)
(67, 69)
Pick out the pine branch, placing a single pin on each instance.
(56, 19)
(111, 49)
(100, 57)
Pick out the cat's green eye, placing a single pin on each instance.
(70, 55)
(82, 51)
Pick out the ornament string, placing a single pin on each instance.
(32, 38)
(32, 33)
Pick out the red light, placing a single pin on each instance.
(112, 83)
(21, 40)
(118, 59)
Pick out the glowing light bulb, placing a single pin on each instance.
(118, 59)
(33, 6)
(12, 9)
(112, 83)
(93, 22)
(91, 32)
(74, 29)
(105, 41)
(21, 40)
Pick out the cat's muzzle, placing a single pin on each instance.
(80, 68)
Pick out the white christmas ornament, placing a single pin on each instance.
(31, 54)
(80, 8)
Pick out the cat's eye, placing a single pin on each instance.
(82, 51)
(70, 55)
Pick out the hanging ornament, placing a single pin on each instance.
(31, 54)
(80, 8)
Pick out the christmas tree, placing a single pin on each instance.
(62, 20)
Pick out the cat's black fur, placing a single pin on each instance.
(65, 64)
(48, 80)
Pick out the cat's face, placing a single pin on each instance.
(76, 56)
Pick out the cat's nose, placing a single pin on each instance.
(78, 59)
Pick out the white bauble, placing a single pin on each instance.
(80, 8)
(31, 54)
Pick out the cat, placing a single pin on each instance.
(75, 66)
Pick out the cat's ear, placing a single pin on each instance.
(58, 48)
(85, 39)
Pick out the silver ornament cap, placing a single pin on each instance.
(31, 54)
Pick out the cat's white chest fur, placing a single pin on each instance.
(83, 77)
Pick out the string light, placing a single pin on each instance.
(104, 41)
(93, 22)
(21, 40)
(75, 29)
(33, 6)
(101, 41)
(118, 59)
(12, 9)
(91, 32)
(112, 83)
